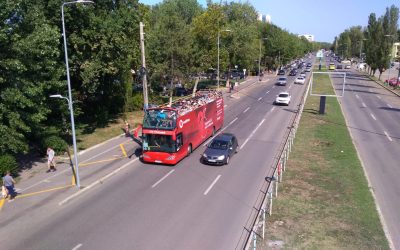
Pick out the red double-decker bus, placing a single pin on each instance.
(171, 132)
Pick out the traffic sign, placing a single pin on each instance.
(320, 54)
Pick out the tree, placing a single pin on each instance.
(29, 71)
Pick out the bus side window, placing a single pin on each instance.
(179, 141)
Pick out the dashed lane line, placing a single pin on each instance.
(246, 110)
(379, 97)
(204, 144)
(357, 96)
(212, 184)
(163, 178)
(390, 106)
(373, 117)
(387, 135)
(363, 104)
(252, 133)
(77, 247)
(259, 99)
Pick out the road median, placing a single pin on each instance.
(325, 201)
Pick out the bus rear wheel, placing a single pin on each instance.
(189, 149)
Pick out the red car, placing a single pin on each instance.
(393, 81)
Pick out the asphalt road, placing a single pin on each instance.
(145, 206)
(373, 117)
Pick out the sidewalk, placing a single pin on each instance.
(94, 163)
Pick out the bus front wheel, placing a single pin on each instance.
(189, 149)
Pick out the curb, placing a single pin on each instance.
(99, 181)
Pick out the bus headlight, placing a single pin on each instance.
(220, 158)
(146, 156)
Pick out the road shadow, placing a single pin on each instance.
(290, 110)
(390, 109)
(359, 85)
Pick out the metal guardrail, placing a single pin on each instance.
(254, 231)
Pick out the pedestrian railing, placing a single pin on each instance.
(254, 232)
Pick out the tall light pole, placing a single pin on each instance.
(218, 56)
(259, 60)
(71, 110)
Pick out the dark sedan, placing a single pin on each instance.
(220, 149)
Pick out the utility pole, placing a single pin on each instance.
(144, 71)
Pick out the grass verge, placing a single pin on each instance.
(324, 201)
(114, 128)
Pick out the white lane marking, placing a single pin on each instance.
(225, 105)
(77, 247)
(259, 99)
(204, 144)
(273, 87)
(165, 176)
(387, 135)
(212, 184)
(390, 106)
(252, 133)
(267, 92)
(364, 105)
(357, 96)
(246, 110)
(373, 117)
(290, 86)
(101, 180)
(272, 109)
(379, 97)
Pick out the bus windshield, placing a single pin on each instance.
(158, 143)
(159, 119)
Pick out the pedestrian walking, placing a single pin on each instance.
(8, 183)
(127, 128)
(51, 162)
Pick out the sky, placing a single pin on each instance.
(321, 18)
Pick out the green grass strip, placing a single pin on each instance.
(324, 201)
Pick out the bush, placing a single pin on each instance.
(56, 143)
(8, 163)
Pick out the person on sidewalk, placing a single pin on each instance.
(9, 182)
(51, 162)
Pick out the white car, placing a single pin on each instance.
(282, 81)
(300, 80)
(303, 74)
(283, 98)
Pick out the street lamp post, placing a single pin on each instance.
(218, 57)
(259, 60)
(71, 110)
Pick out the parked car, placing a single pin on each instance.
(283, 98)
(308, 69)
(303, 74)
(220, 149)
(347, 66)
(332, 66)
(393, 81)
(282, 81)
(300, 80)
(339, 66)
